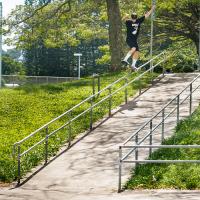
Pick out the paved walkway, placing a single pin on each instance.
(89, 170)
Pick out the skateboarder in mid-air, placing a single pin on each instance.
(133, 28)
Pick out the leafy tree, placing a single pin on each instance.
(178, 20)
(87, 20)
(11, 66)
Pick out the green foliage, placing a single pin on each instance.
(105, 59)
(26, 108)
(184, 59)
(45, 37)
(177, 176)
(11, 66)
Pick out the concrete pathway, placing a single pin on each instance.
(89, 170)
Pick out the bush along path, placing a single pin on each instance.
(25, 109)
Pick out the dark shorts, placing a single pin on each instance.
(132, 43)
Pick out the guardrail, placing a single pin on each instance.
(20, 79)
(45, 128)
(149, 135)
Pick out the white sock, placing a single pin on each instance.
(133, 63)
(128, 55)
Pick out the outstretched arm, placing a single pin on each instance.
(149, 12)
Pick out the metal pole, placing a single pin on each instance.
(120, 170)
(190, 99)
(178, 100)
(70, 130)
(126, 91)
(99, 84)
(79, 63)
(136, 150)
(151, 41)
(110, 101)
(150, 137)
(46, 145)
(91, 113)
(93, 85)
(19, 165)
(140, 87)
(163, 125)
(79, 67)
(1, 8)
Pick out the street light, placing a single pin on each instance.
(0, 42)
(151, 39)
(79, 63)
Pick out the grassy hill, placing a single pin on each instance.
(26, 108)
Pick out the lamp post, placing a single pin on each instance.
(79, 63)
(151, 40)
(1, 8)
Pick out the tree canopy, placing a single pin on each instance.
(55, 23)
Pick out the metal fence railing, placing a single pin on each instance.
(45, 129)
(14, 80)
(147, 130)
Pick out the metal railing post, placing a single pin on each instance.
(150, 137)
(93, 85)
(110, 101)
(91, 113)
(163, 125)
(46, 145)
(70, 130)
(190, 99)
(120, 170)
(163, 72)
(19, 165)
(126, 91)
(13, 80)
(136, 150)
(178, 108)
(140, 88)
(99, 84)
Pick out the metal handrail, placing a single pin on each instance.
(164, 107)
(82, 102)
(45, 127)
(122, 159)
(147, 135)
(163, 146)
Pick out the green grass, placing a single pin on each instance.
(26, 108)
(176, 176)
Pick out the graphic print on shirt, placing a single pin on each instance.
(135, 27)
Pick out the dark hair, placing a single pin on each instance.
(134, 16)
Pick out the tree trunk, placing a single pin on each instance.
(115, 33)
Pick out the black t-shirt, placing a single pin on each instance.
(133, 28)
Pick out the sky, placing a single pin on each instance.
(8, 5)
